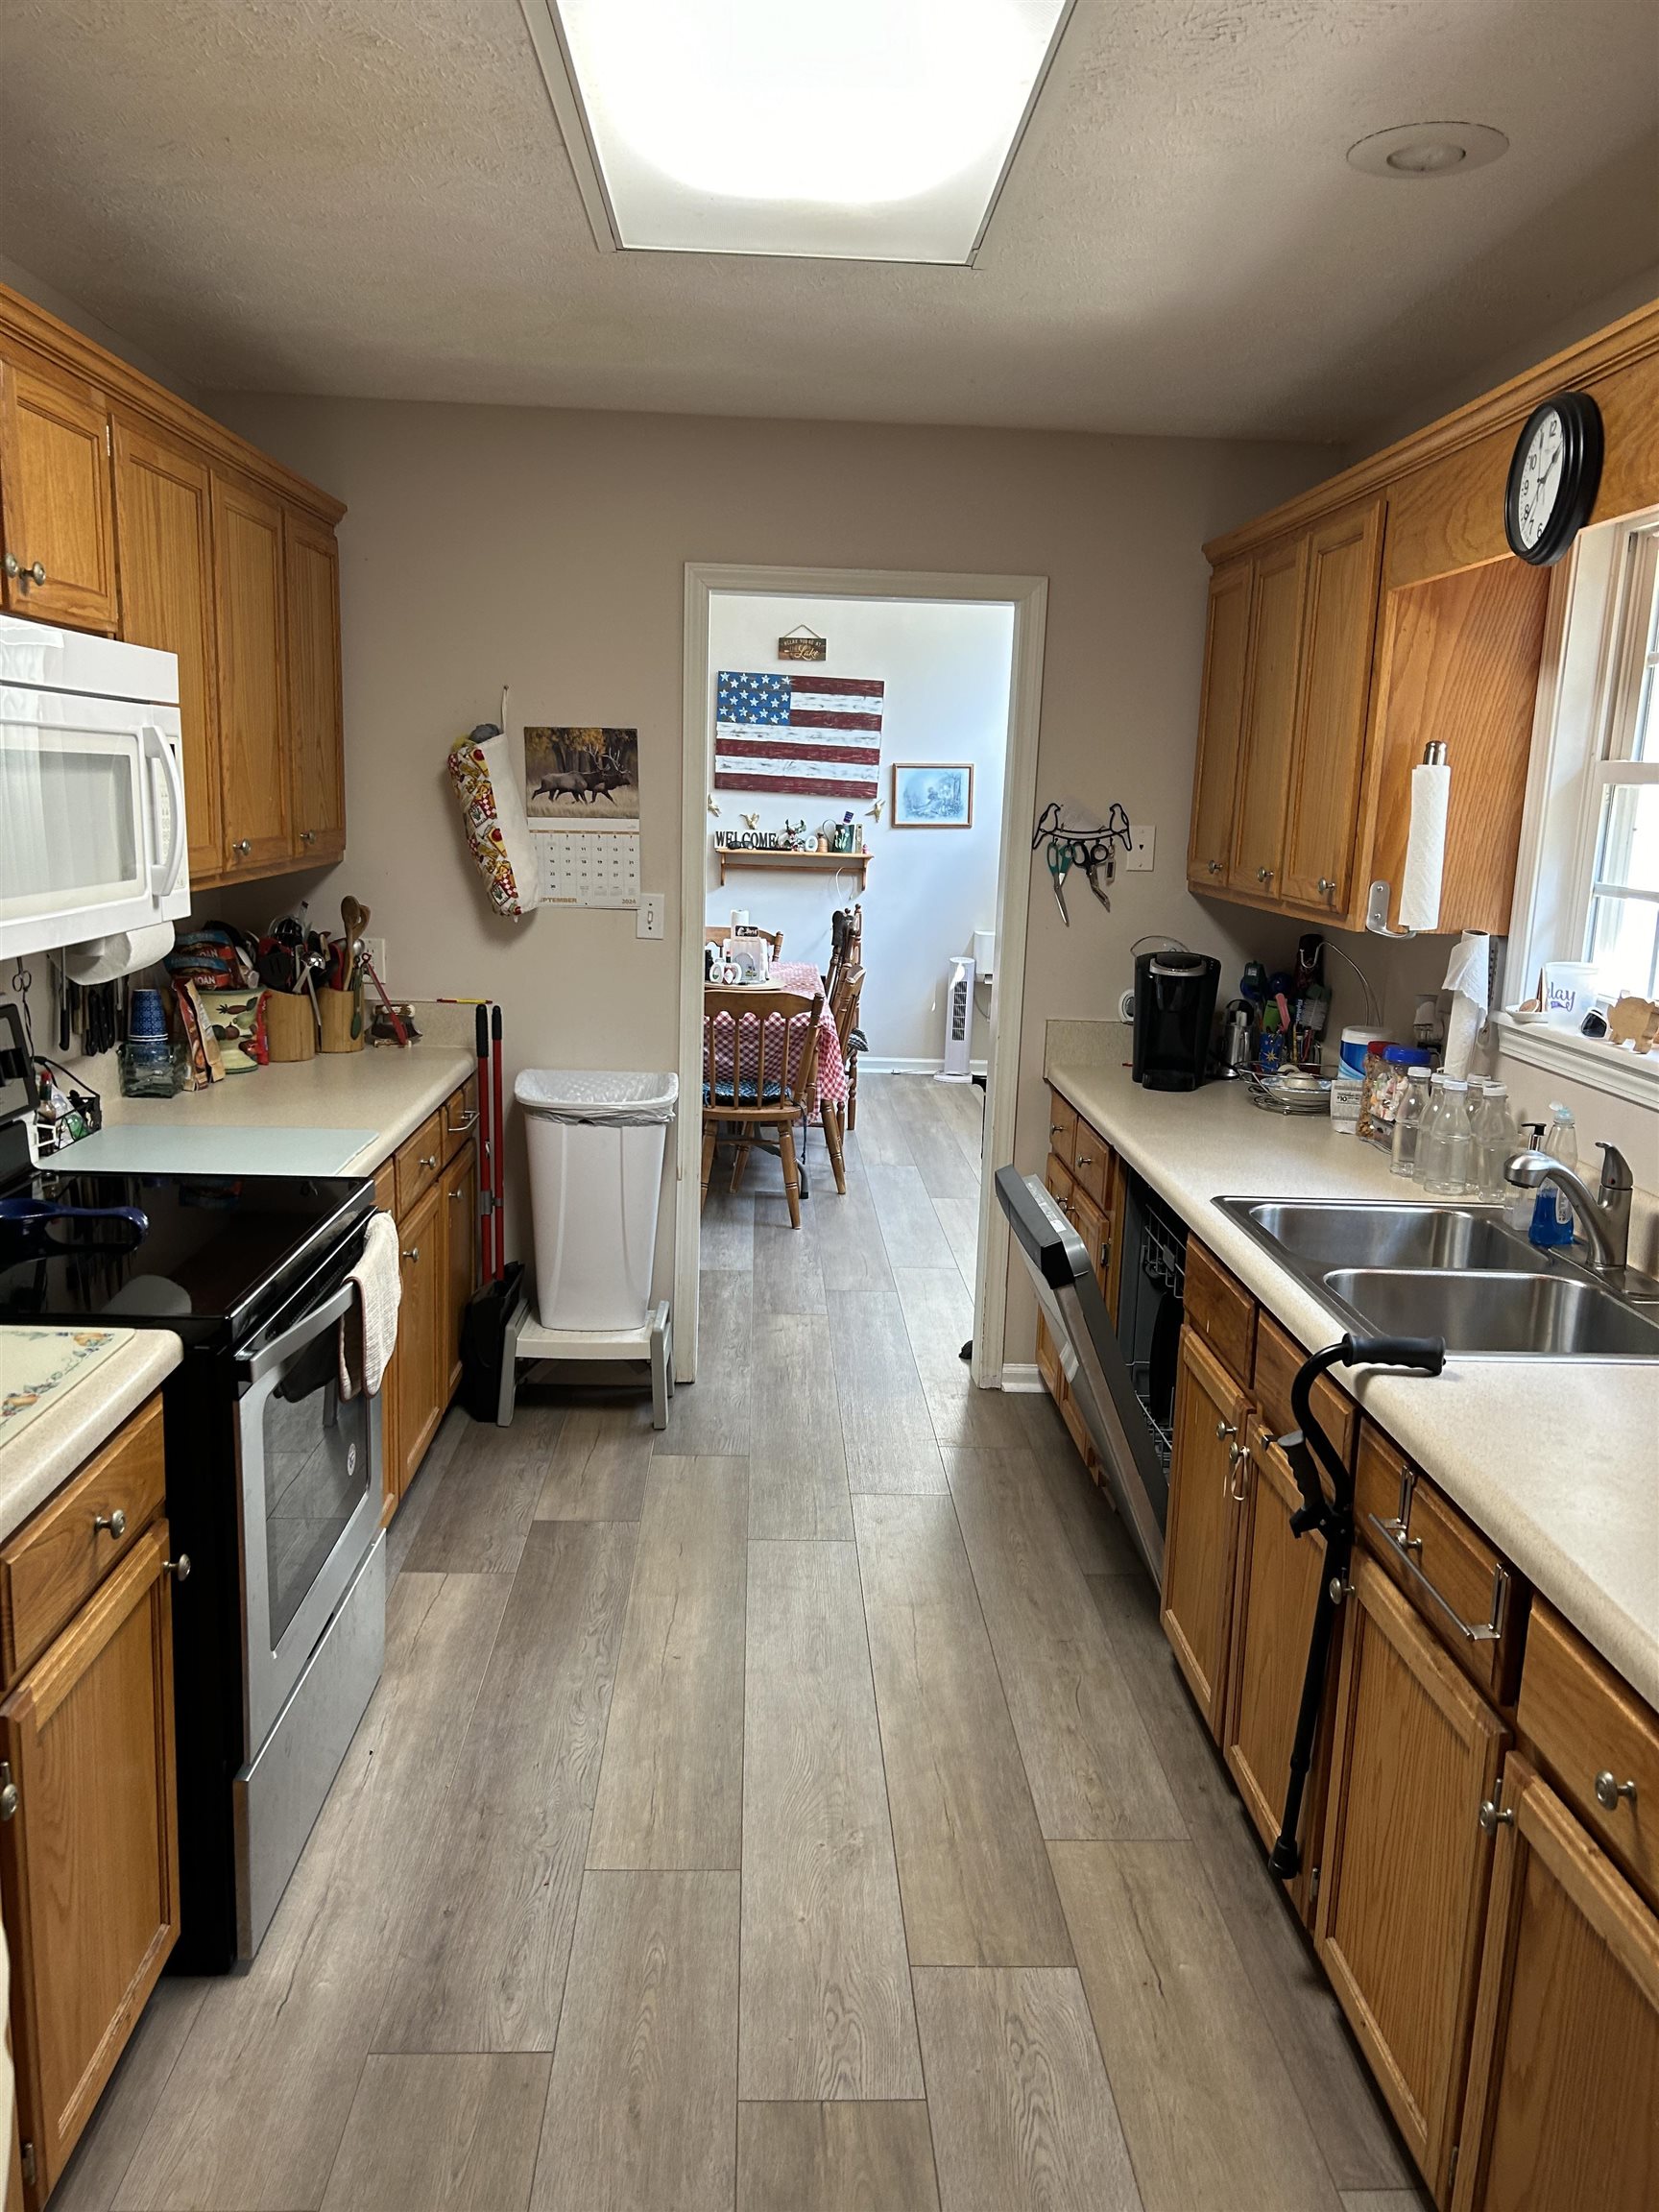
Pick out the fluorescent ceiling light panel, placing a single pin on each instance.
(857, 130)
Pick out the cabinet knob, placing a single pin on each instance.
(428, 1160)
(411, 1252)
(1327, 886)
(10, 1800)
(115, 1523)
(307, 836)
(1215, 867)
(31, 573)
(1264, 874)
(242, 848)
(1609, 1791)
(1224, 1429)
(456, 1196)
(1492, 1817)
(180, 1567)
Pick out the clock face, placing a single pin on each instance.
(1540, 485)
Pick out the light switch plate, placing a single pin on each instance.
(1143, 838)
(374, 952)
(648, 915)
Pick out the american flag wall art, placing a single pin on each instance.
(819, 736)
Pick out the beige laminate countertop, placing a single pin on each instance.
(1556, 1460)
(80, 1417)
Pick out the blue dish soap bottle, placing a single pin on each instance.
(1552, 1213)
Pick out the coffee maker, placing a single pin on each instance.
(1175, 1008)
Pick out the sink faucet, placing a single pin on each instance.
(1605, 1215)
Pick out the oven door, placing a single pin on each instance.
(1096, 1372)
(310, 1502)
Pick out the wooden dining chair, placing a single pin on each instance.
(760, 1067)
(844, 1014)
(717, 934)
(846, 945)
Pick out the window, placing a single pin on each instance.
(1588, 883)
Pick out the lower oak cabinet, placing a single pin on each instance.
(1206, 1489)
(438, 1242)
(1406, 1857)
(1563, 2107)
(88, 1840)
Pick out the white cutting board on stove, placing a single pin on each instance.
(130, 1150)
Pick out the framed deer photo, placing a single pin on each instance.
(574, 775)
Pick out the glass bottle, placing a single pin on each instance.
(1431, 1134)
(1408, 1121)
(1495, 1141)
(1448, 1175)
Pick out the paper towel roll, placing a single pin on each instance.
(1468, 978)
(105, 959)
(1425, 848)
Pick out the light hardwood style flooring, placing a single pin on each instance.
(796, 1810)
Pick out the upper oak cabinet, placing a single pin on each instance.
(124, 510)
(317, 786)
(164, 539)
(59, 541)
(1373, 613)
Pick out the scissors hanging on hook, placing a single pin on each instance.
(1094, 851)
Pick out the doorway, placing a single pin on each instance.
(708, 589)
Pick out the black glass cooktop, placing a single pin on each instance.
(202, 1255)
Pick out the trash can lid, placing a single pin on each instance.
(611, 1099)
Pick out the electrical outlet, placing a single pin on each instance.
(648, 915)
(1143, 838)
(375, 952)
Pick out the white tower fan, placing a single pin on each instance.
(958, 1021)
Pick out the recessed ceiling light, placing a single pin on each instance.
(869, 129)
(1428, 149)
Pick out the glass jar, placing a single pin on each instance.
(1495, 1141)
(1449, 1174)
(1408, 1119)
(1431, 1132)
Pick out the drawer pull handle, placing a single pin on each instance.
(1609, 1791)
(1085, 1160)
(1401, 1545)
(1492, 1816)
(467, 1121)
(115, 1523)
(180, 1567)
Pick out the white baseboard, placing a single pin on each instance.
(870, 1064)
(1021, 1375)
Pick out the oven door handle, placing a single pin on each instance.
(333, 1309)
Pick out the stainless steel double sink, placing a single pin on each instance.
(1457, 1272)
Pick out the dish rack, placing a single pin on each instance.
(1274, 1096)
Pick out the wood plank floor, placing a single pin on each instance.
(796, 1810)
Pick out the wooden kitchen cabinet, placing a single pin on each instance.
(459, 1211)
(88, 1854)
(1563, 2100)
(164, 539)
(1206, 1487)
(417, 1371)
(1406, 1861)
(1344, 563)
(1275, 594)
(1220, 727)
(55, 496)
(315, 740)
(247, 579)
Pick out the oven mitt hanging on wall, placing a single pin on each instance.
(492, 816)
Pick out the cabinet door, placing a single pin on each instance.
(55, 492)
(419, 1334)
(1275, 1591)
(253, 688)
(1563, 2105)
(460, 1257)
(89, 1860)
(317, 746)
(1205, 1490)
(1220, 726)
(164, 534)
(1269, 718)
(1333, 691)
(1406, 1861)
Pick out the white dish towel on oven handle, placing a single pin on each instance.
(369, 1326)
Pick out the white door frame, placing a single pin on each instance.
(1028, 596)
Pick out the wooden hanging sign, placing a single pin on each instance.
(803, 644)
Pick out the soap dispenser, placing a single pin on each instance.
(1553, 1212)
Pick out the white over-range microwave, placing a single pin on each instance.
(93, 838)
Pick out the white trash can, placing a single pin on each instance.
(595, 1143)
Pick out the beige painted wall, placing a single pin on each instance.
(547, 550)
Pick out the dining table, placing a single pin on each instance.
(825, 1097)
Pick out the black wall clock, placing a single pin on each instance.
(1553, 478)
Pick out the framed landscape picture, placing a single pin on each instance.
(933, 795)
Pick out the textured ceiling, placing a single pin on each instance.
(371, 197)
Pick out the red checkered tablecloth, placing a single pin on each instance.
(801, 976)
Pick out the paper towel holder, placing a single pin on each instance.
(1377, 897)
